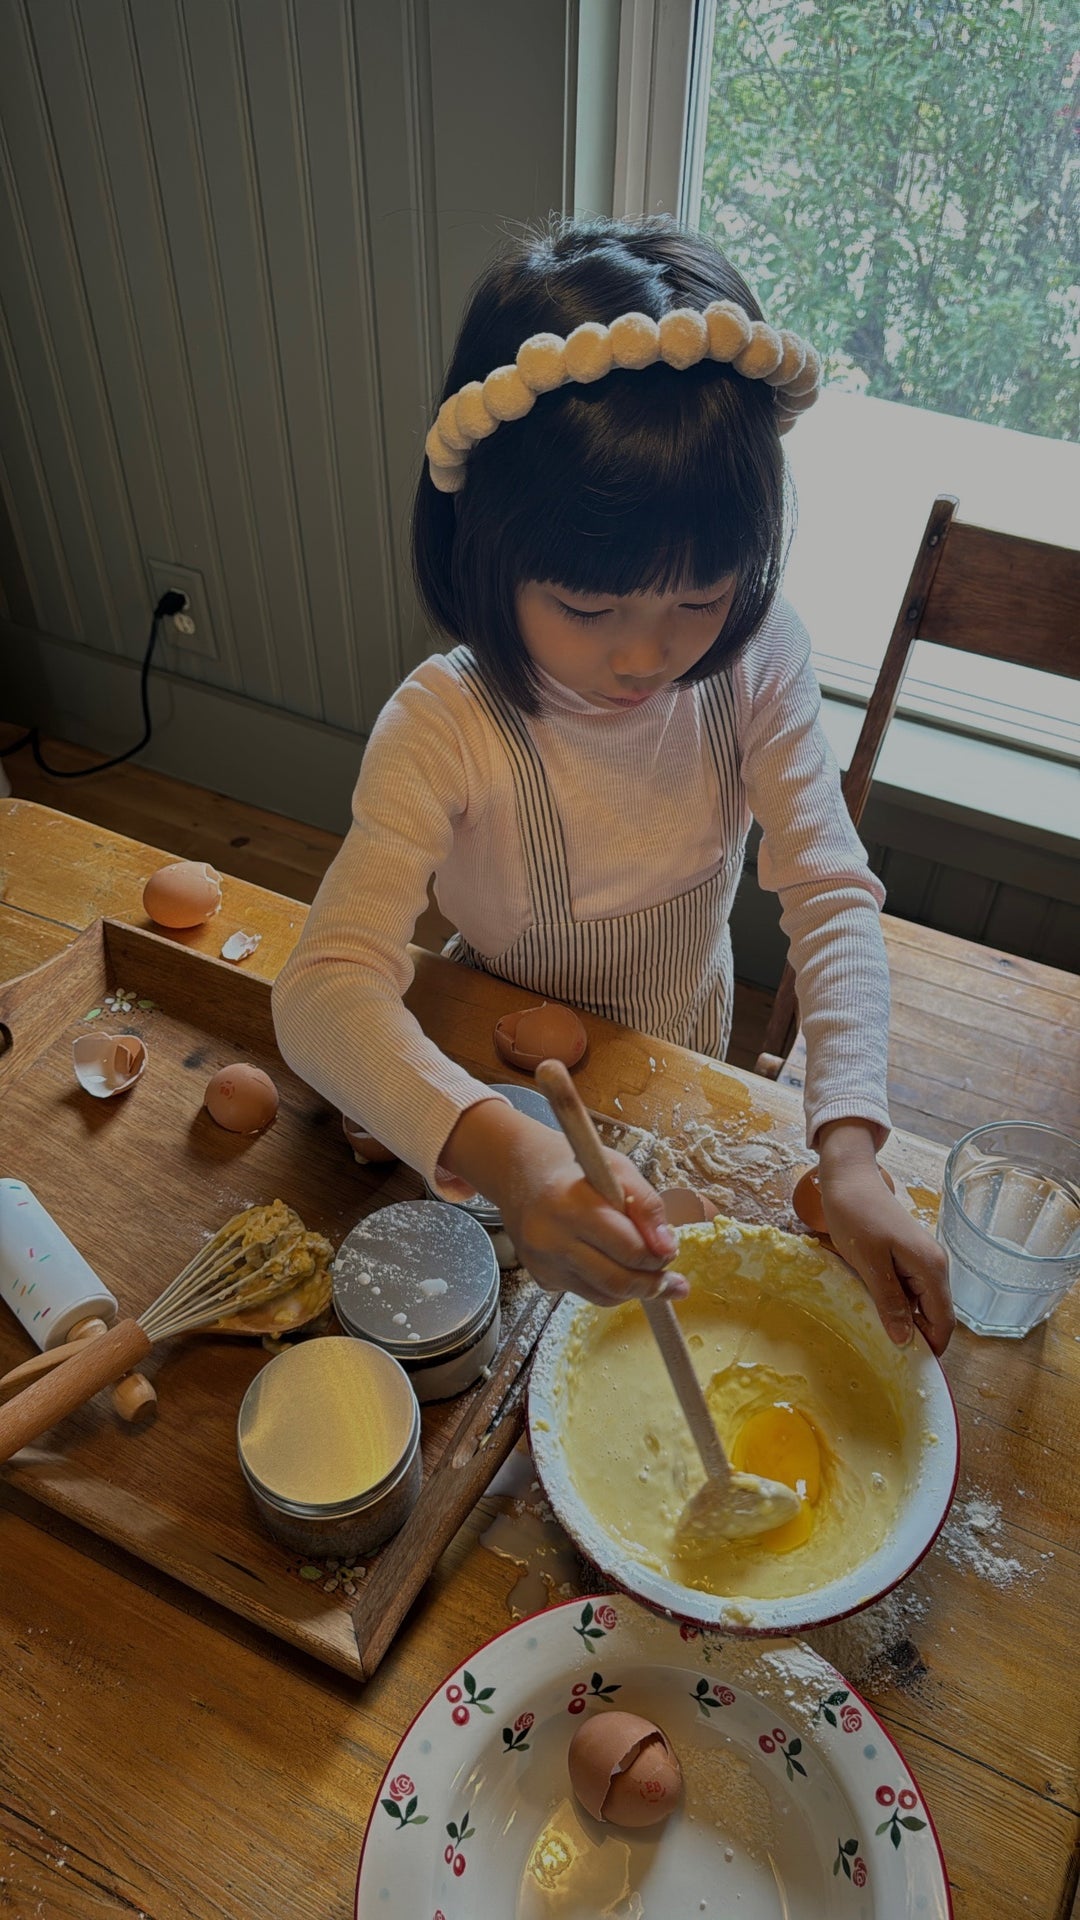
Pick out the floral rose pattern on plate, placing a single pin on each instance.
(515, 1738)
(708, 1699)
(900, 1815)
(595, 1622)
(839, 1704)
(402, 1789)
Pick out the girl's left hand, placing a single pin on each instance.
(906, 1271)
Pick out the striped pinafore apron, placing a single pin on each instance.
(665, 969)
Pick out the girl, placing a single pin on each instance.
(600, 526)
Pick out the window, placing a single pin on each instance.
(900, 180)
(904, 175)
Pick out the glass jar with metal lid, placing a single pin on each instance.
(421, 1280)
(328, 1439)
(532, 1102)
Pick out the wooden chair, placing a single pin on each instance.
(1003, 598)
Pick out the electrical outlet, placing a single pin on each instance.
(190, 631)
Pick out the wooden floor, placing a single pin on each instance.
(954, 1060)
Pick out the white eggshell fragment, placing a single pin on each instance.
(107, 1063)
(624, 1770)
(364, 1145)
(241, 1098)
(546, 1032)
(239, 945)
(183, 894)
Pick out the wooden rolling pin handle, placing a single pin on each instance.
(87, 1330)
(33, 1368)
(94, 1364)
(134, 1398)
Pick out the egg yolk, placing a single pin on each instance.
(779, 1443)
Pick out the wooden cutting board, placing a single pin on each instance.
(137, 1182)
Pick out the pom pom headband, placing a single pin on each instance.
(680, 339)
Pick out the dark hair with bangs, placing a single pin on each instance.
(649, 481)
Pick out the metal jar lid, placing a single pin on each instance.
(419, 1278)
(327, 1426)
(528, 1100)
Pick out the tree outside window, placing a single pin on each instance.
(899, 180)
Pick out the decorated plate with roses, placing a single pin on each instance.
(797, 1805)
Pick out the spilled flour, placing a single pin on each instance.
(970, 1538)
(722, 1793)
(746, 1174)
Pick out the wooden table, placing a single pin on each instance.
(159, 1758)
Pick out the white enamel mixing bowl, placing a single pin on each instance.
(928, 1418)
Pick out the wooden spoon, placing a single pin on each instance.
(730, 1505)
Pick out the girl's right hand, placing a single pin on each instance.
(565, 1233)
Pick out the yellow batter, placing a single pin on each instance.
(792, 1396)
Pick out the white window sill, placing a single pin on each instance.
(959, 777)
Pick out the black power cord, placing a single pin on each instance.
(170, 603)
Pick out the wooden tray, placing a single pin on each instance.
(136, 1182)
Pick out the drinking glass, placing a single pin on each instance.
(1010, 1223)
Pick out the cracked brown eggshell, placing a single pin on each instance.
(546, 1032)
(241, 1098)
(364, 1145)
(684, 1208)
(624, 1770)
(183, 894)
(107, 1063)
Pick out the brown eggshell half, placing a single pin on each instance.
(546, 1032)
(107, 1063)
(241, 1098)
(806, 1199)
(183, 894)
(623, 1769)
(684, 1208)
(364, 1145)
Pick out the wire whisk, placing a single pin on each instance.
(258, 1254)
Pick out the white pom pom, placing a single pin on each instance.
(763, 353)
(729, 329)
(438, 452)
(540, 362)
(506, 395)
(684, 338)
(447, 479)
(810, 376)
(447, 422)
(588, 352)
(635, 340)
(792, 362)
(472, 415)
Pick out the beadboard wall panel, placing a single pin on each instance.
(235, 238)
